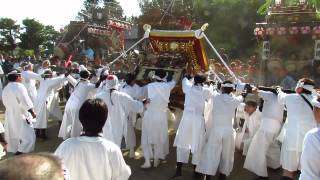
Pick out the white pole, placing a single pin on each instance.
(219, 56)
(122, 54)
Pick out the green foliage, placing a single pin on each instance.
(37, 34)
(231, 21)
(9, 31)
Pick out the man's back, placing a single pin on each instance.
(93, 158)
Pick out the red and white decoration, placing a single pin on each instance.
(259, 31)
(305, 30)
(281, 31)
(271, 31)
(118, 24)
(293, 30)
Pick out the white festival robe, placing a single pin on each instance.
(191, 131)
(300, 120)
(251, 126)
(218, 151)
(93, 158)
(2, 152)
(116, 126)
(43, 102)
(310, 158)
(71, 126)
(264, 150)
(19, 134)
(136, 92)
(29, 80)
(155, 120)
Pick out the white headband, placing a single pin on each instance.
(159, 79)
(306, 87)
(228, 85)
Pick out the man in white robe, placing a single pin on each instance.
(71, 126)
(252, 122)
(120, 104)
(19, 133)
(29, 79)
(154, 137)
(300, 120)
(218, 151)
(264, 150)
(310, 158)
(90, 156)
(136, 92)
(191, 132)
(42, 103)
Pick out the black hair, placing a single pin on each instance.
(251, 103)
(84, 74)
(129, 78)
(227, 90)
(199, 79)
(46, 74)
(93, 115)
(13, 77)
(161, 73)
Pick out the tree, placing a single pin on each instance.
(9, 32)
(231, 21)
(36, 35)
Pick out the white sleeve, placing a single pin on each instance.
(282, 97)
(186, 85)
(171, 84)
(24, 98)
(131, 104)
(72, 80)
(310, 158)
(57, 81)
(265, 95)
(120, 170)
(31, 75)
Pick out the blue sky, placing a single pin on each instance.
(53, 12)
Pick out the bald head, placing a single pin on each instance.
(31, 167)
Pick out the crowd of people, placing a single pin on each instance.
(101, 111)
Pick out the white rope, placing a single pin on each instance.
(216, 75)
(219, 56)
(123, 54)
(166, 12)
(83, 28)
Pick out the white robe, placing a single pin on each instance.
(2, 152)
(93, 158)
(251, 125)
(300, 120)
(155, 119)
(191, 131)
(135, 92)
(71, 125)
(116, 126)
(264, 150)
(42, 104)
(29, 79)
(310, 158)
(19, 134)
(218, 151)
